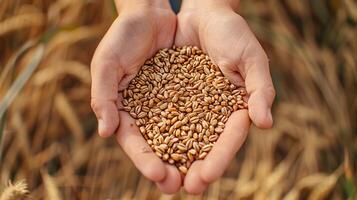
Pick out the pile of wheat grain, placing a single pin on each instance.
(181, 102)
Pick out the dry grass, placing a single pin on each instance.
(15, 191)
(48, 132)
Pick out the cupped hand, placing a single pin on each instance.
(216, 28)
(139, 31)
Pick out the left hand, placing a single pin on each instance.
(141, 29)
(216, 28)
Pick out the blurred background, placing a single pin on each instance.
(49, 148)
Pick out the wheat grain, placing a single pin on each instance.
(181, 101)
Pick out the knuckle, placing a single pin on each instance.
(271, 91)
(95, 105)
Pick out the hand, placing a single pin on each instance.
(142, 28)
(215, 27)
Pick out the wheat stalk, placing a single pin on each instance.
(15, 191)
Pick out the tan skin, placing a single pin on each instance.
(215, 27)
(142, 28)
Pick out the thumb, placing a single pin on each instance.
(107, 116)
(259, 86)
(261, 91)
(104, 92)
(230, 71)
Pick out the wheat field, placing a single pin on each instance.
(49, 148)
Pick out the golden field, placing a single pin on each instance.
(49, 148)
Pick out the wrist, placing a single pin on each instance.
(130, 5)
(210, 4)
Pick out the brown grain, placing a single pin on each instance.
(181, 102)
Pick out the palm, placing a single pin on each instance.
(224, 36)
(232, 46)
(132, 38)
(135, 36)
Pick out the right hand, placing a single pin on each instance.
(215, 27)
(140, 30)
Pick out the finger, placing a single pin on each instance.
(124, 82)
(193, 182)
(231, 72)
(227, 145)
(104, 93)
(107, 116)
(260, 88)
(135, 146)
(172, 182)
(103, 101)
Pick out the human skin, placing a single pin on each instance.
(215, 27)
(142, 28)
